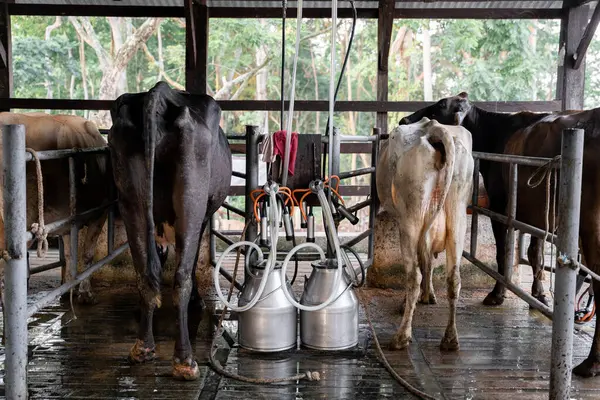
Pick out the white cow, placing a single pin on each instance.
(424, 179)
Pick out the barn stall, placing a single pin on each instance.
(505, 351)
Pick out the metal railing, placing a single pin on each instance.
(16, 310)
(252, 139)
(566, 241)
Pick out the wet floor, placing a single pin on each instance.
(504, 354)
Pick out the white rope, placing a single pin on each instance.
(290, 116)
(38, 229)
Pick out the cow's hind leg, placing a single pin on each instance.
(455, 236)
(427, 295)
(535, 254)
(591, 249)
(94, 229)
(184, 365)
(144, 348)
(403, 337)
(496, 296)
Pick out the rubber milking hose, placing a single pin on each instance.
(329, 224)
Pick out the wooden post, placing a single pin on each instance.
(570, 81)
(385, 22)
(5, 54)
(196, 38)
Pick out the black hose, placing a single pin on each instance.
(363, 270)
(295, 255)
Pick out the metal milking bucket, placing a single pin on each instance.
(271, 325)
(334, 327)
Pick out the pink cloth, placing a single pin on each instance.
(279, 148)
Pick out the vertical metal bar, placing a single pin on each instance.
(522, 252)
(110, 234)
(334, 169)
(72, 269)
(509, 245)
(569, 203)
(251, 176)
(252, 139)
(374, 197)
(13, 137)
(212, 242)
(474, 214)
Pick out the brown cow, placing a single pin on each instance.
(57, 132)
(535, 135)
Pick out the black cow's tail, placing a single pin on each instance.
(443, 142)
(151, 109)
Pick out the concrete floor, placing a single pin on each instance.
(504, 353)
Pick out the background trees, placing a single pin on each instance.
(101, 58)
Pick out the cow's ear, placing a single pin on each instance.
(463, 95)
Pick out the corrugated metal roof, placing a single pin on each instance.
(503, 4)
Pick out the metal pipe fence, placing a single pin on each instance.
(252, 139)
(567, 244)
(17, 235)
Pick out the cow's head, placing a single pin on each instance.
(448, 111)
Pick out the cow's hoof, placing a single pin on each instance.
(493, 299)
(86, 298)
(449, 344)
(185, 371)
(139, 354)
(587, 369)
(400, 342)
(542, 299)
(428, 299)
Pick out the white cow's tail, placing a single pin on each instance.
(443, 143)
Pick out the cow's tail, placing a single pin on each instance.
(151, 107)
(443, 143)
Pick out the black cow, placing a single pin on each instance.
(172, 168)
(537, 135)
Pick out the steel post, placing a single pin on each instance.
(72, 268)
(509, 245)
(212, 241)
(374, 197)
(110, 234)
(474, 214)
(569, 203)
(522, 251)
(252, 139)
(15, 300)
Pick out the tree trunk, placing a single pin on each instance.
(427, 78)
(261, 80)
(57, 23)
(110, 74)
(316, 78)
(533, 44)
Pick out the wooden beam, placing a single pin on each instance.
(5, 43)
(300, 105)
(196, 37)
(385, 22)
(275, 12)
(479, 13)
(588, 35)
(570, 82)
(80, 10)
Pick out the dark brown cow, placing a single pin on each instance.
(536, 135)
(60, 132)
(172, 169)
